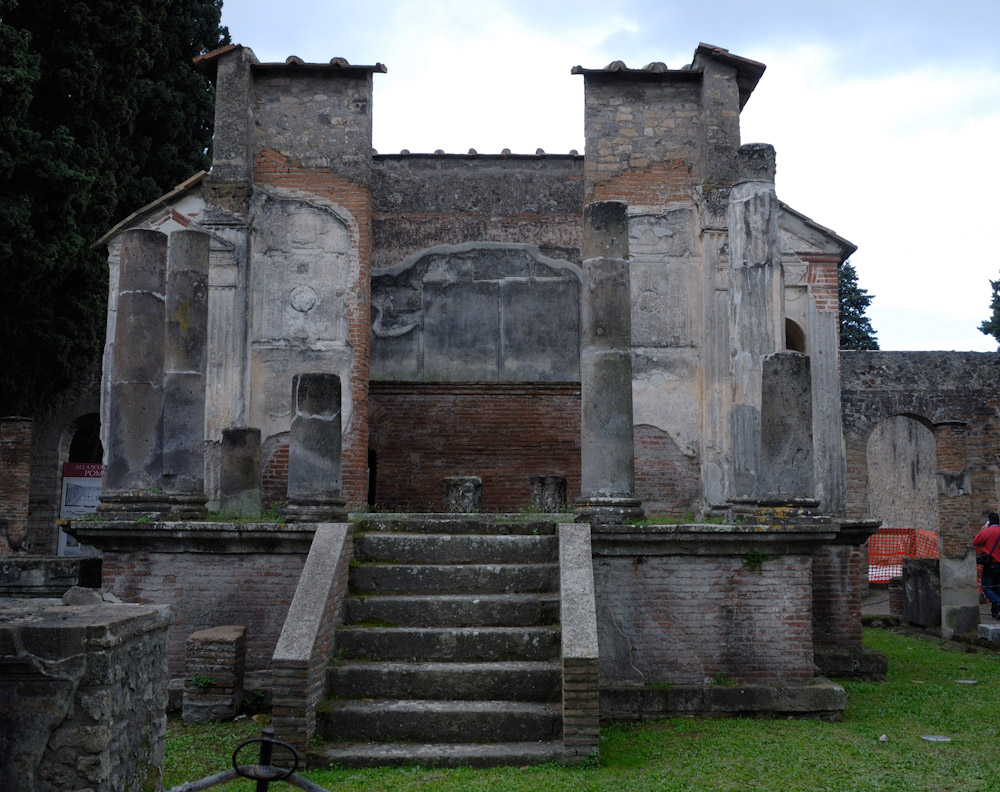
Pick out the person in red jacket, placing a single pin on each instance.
(988, 541)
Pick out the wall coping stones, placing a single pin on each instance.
(821, 699)
(194, 537)
(576, 592)
(46, 627)
(709, 539)
(47, 576)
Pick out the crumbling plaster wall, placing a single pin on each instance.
(941, 389)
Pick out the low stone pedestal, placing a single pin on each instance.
(213, 680)
(990, 632)
(462, 494)
(239, 474)
(896, 597)
(548, 494)
(922, 591)
(83, 695)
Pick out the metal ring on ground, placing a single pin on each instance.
(267, 772)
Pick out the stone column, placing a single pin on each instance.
(607, 467)
(757, 294)
(314, 450)
(133, 477)
(959, 594)
(239, 484)
(185, 364)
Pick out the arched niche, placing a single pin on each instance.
(795, 337)
(902, 474)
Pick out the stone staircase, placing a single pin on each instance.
(450, 649)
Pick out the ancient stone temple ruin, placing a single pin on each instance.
(645, 328)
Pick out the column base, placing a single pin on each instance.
(132, 505)
(609, 510)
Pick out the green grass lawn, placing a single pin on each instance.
(921, 696)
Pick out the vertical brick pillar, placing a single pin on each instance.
(213, 676)
(15, 477)
(959, 595)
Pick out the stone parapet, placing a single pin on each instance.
(710, 539)
(581, 714)
(194, 537)
(306, 644)
(818, 699)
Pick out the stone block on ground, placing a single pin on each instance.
(462, 494)
(213, 686)
(921, 591)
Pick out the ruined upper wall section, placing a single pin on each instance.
(486, 184)
(315, 114)
(654, 133)
(426, 200)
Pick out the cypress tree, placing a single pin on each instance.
(103, 111)
(855, 327)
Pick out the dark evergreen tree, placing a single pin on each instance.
(96, 122)
(855, 328)
(991, 326)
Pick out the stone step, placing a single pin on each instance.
(415, 548)
(454, 610)
(458, 524)
(514, 681)
(462, 644)
(382, 754)
(453, 578)
(439, 721)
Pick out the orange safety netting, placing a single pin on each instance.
(887, 548)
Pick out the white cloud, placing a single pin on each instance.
(903, 167)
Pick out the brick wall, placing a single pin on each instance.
(206, 590)
(15, 476)
(821, 275)
(274, 476)
(502, 433)
(837, 597)
(665, 479)
(691, 619)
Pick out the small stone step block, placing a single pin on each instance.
(213, 679)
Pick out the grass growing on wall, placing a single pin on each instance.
(920, 697)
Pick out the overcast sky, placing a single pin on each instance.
(885, 114)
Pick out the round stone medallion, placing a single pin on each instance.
(302, 298)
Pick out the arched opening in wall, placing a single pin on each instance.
(902, 474)
(80, 456)
(795, 337)
(86, 443)
(372, 478)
